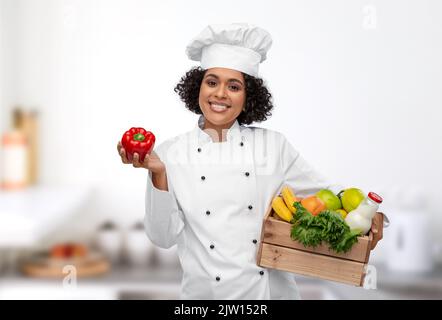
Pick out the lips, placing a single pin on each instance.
(218, 106)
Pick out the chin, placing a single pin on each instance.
(218, 120)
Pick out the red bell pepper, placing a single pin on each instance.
(138, 140)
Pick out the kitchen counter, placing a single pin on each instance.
(30, 214)
(164, 283)
(120, 283)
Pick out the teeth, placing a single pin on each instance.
(218, 107)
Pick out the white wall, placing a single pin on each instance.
(8, 11)
(356, 86)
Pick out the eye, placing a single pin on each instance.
(211, 83)
(234, 88)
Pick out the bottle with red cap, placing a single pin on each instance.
(360, 218)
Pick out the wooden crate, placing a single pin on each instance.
(278, 251)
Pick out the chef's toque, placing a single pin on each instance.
(238, 46)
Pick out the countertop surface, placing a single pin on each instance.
(164, 283)
(27, 215)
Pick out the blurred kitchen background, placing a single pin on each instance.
(357, 90)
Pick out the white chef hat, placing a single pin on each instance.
(238, 46)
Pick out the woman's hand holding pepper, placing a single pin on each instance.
(151, 162)
(377, 228)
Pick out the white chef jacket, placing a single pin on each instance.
(218, 193)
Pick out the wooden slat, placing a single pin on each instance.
(311, 264)
(258, 257)
(266, 217)
(370, 240)
(278, 232)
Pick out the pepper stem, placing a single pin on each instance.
(139, 137)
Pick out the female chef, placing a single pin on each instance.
(208, 189)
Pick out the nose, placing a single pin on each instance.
(220, 91)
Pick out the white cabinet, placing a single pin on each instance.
(28, 215)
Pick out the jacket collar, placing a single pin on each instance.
(234, 132)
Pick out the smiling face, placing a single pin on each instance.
(222, 96)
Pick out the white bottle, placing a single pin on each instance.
(14, 165)
(361, 217)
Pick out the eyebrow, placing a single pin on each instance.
(230, 80)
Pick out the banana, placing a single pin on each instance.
(281, 209)
(289, 198)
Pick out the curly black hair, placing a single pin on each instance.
(258, 98)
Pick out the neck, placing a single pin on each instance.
(217, 132)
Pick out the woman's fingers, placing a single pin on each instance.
(380, 225)
(136, 157)
(136, 162)
(377, 223)
(146, 161)
(377, 229)
(123, 156)
(122, 153)
(374, 225)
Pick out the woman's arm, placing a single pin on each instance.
(163, 219)
(159, 181)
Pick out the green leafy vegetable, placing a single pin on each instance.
(327, 226)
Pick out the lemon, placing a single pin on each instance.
(351, 198)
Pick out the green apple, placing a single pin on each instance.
(351, 198)
(331, 201)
